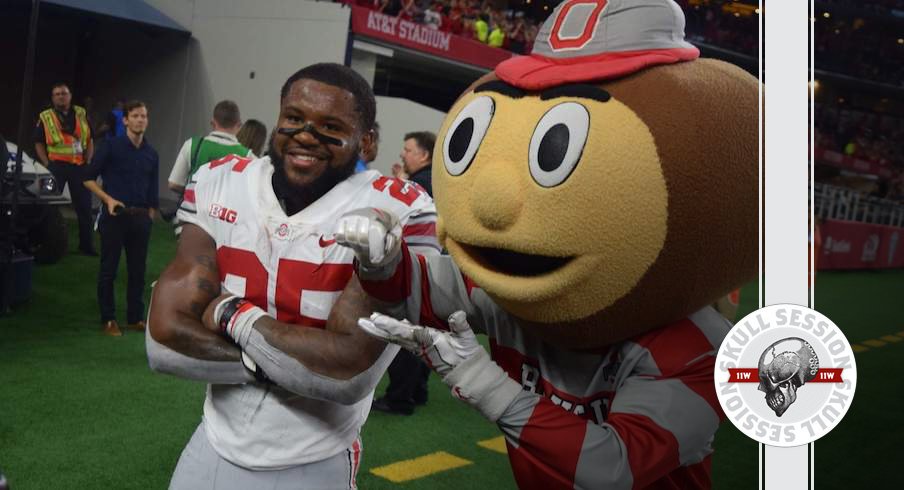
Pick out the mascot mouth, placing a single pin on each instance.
(514, 263)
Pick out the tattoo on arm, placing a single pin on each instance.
(208, 287)
(185, 289)
(207, 262)
(197, 309)
(341, 350)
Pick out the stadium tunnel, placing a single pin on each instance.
(95, 46)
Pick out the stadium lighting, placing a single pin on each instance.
(900, 41)
(826, 15)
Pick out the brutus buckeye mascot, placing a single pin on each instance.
(595, 197)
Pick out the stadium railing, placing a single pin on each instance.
(840, 203)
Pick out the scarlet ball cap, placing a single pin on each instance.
(591, 40)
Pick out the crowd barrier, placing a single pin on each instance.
(857, 231)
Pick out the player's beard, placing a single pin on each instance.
(298, 197)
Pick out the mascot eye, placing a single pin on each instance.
(557, 143)
(465, 134)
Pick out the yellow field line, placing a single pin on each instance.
(859, 348)
(891, 338)
(412, 469)
(495, 444)
(874, 343)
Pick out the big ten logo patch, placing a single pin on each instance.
(222, 213)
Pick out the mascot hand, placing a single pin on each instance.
(442, 351)
(456, 356)
(376, 238)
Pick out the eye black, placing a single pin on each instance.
(461, 139)
(553, 147)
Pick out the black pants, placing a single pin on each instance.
(407, 381)
(72, 175)
(132, 233)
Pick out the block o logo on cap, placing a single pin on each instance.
(575, 24)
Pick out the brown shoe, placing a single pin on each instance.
(139, 326)
(111, 328)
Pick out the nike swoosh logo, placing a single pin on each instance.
(326, 243)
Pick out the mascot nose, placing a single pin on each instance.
(497, 197)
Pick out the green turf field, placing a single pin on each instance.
(79, 410)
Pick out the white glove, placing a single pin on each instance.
(456, 356)
(442, 351)
(376, 238)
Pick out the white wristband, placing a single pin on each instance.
(239, 327)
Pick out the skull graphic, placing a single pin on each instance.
(784, 367)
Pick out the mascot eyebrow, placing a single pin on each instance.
(578, 90)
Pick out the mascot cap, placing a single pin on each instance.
(589, 40)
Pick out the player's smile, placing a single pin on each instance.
(305, 160)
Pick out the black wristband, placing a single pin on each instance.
(259, 375)
(229, 310)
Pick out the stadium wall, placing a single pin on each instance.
(398, 117)
(231, 39)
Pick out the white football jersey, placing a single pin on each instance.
(291, 267)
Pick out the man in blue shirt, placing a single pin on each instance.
(129, 167)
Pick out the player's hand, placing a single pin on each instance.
(374, 234)
(442, 351)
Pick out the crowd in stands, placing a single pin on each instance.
(860, 134)
(862, 48)
(863, 40)
(709, 22)
(881, 7)
(475, 19)
(866, 41)
(864, 135)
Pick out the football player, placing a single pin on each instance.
(290, 385)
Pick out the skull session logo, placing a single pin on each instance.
(785, 375)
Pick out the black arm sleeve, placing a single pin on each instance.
(39, 132)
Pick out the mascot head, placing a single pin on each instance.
(606, 184)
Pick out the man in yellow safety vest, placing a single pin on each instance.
(63, 144)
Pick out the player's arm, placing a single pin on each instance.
(177, 342)
(339, 363)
